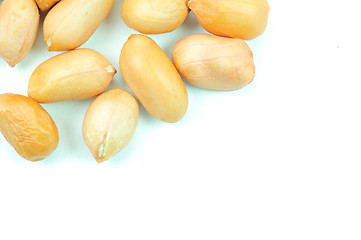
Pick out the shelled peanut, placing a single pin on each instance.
(245, 19)
(45, 5)
(156, 16)
(222, 62)
(154, 80)
(109, 123)
(73, 75)
(27, 127)
(19, 22)
(71, 23)
(215, 63)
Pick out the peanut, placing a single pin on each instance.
(19, 22)
(109, 123)
(155, 16)
(215, 63)
(73, 75)
(245, 19)
(69, 24)
(45, 5)
(27, 127)
(154, 80)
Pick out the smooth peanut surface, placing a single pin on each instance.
(152, 77)
(213, 62)
(71, 23)
(110, 123)
(77, 74)
(27, 127)
(45, 5)
(245, 19)
(155, 16)
(19, 21)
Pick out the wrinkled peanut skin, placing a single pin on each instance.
(27, 127)
(154, 80)
(155, 16)
(45, 5)
(214, 63)
(245, 19)
(109, 123)
(69, 24)
(19, 22)
(73, 75)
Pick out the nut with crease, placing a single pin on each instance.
(69, 24)
(19, 22)
(73, 75)
(27, 127)
(109, 123)
(214, 63)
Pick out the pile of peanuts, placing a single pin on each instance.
(222, 61)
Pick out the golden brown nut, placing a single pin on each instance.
(45, 5)
(110, 123)
(19, 22)
(215, 63)
(245, 19)
(27, 127)
(71, 23)
(73, 75)
(154, 16)
(152, 77)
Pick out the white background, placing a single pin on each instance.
(279, 159)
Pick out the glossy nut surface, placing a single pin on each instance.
(73, 75)
(245, 19)
(154, 80)
(69, 24)
(19, 22)
(45, 5)
(215, 63)
(155, 16)
(109, 123)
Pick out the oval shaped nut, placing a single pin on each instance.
(155, 16)
(110, 123)
(73, 75)
(245, 19)
(215, 63)
(154, 80)
(71, 23)
(27, 127)
(19, 22)
(45, 5)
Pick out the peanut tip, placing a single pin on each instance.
(101, 150)
(110, 69)
(48, 42)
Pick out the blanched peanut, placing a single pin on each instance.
(110, 123)
(245, 19)
(154, 16)
(152, 77)
(215, 63)
(27, 127)
(71, 23)
(19, 22)
(78, 74)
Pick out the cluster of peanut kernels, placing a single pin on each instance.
(222, 62)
